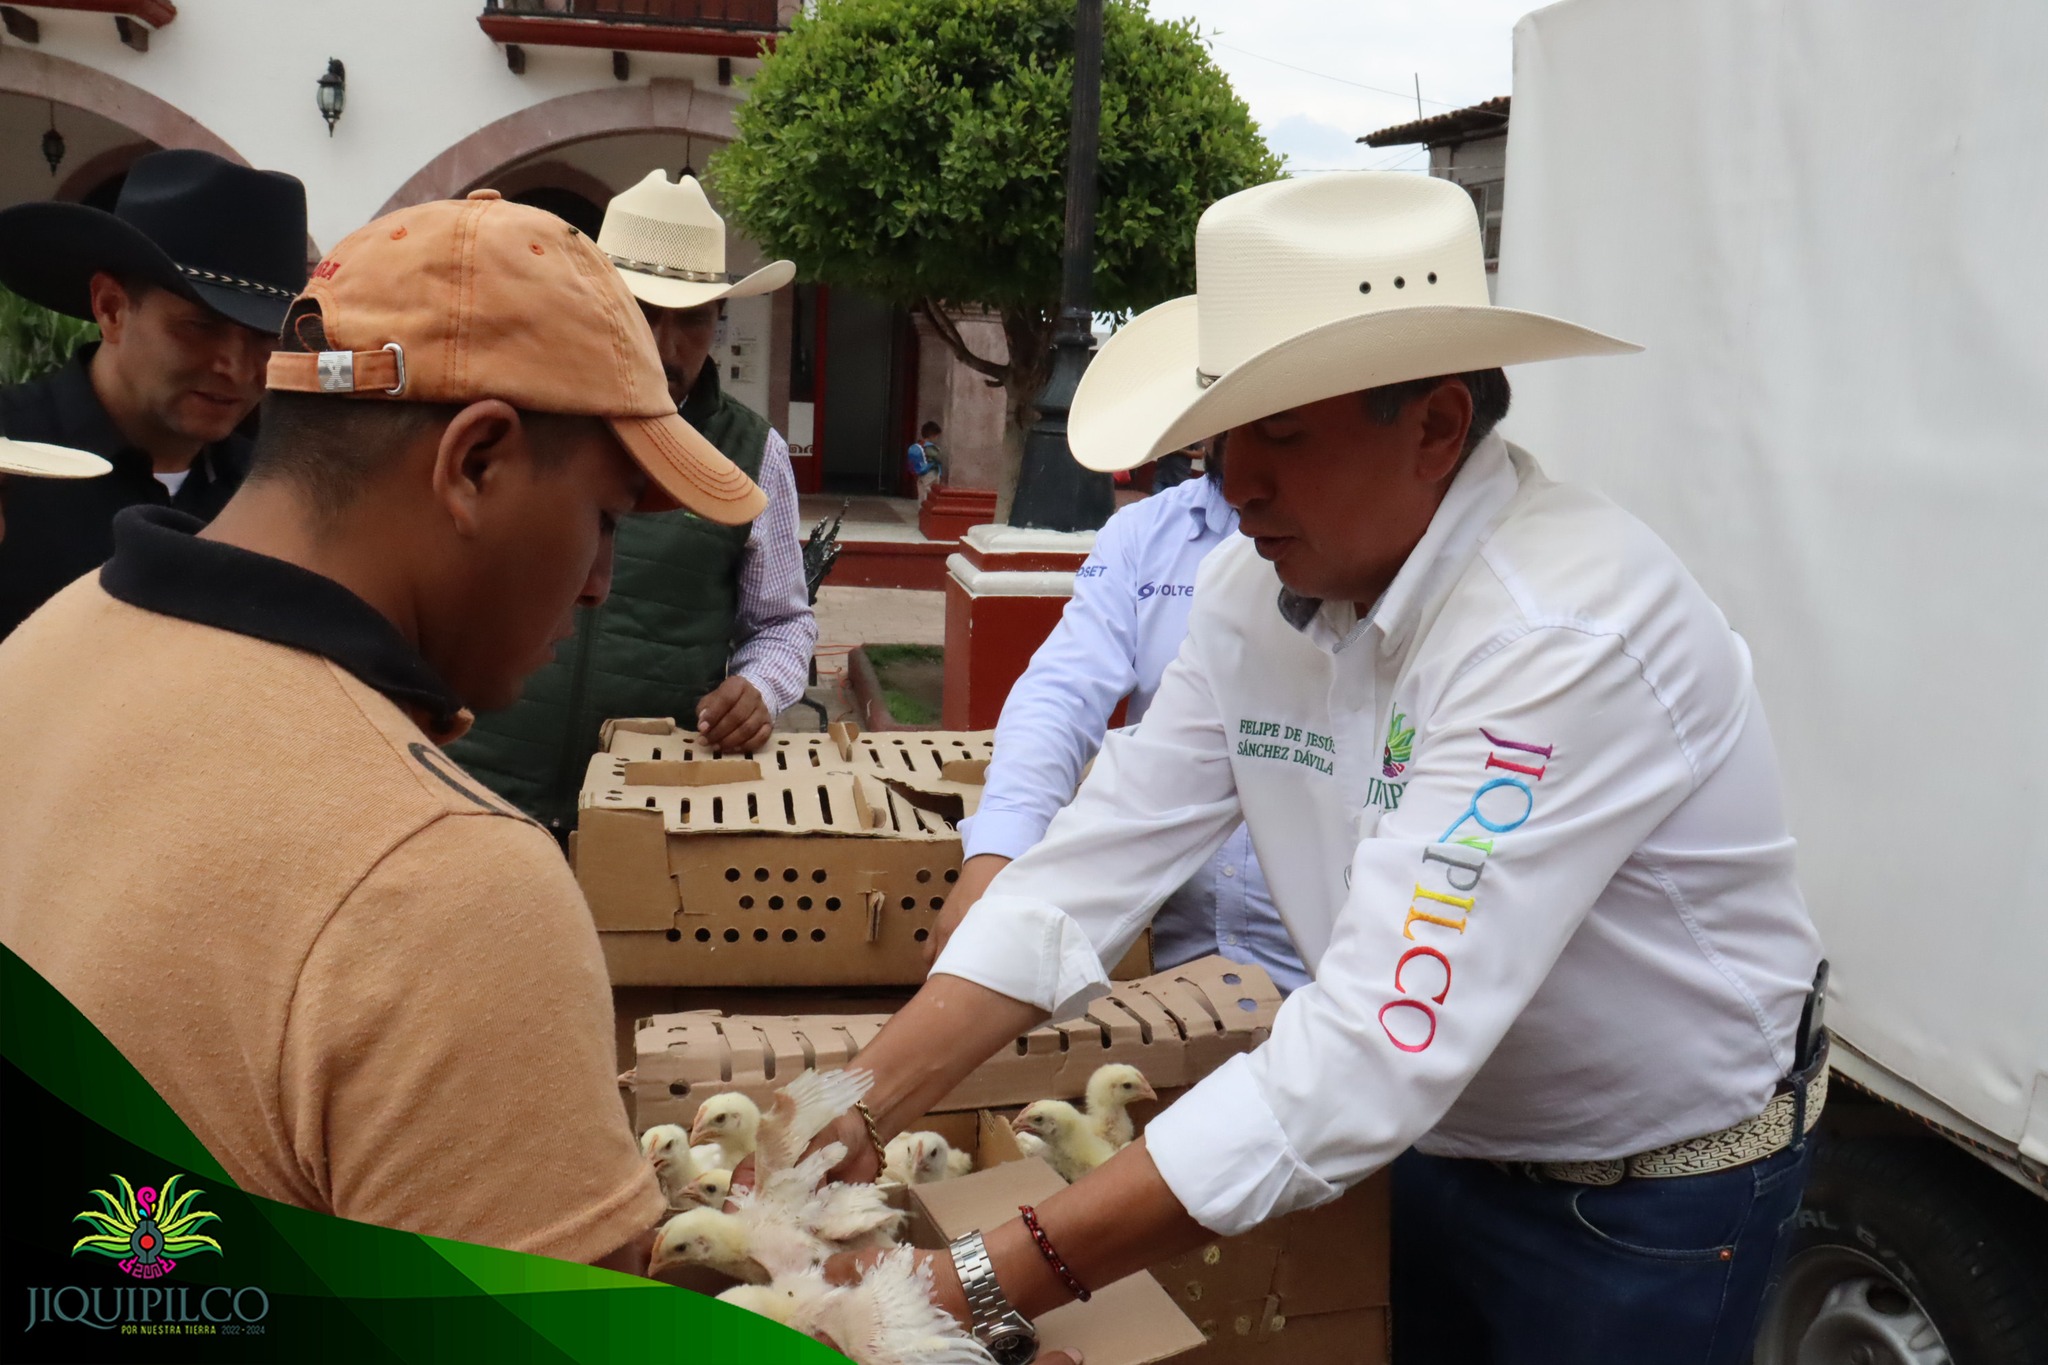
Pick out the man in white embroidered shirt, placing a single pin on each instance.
(1506, 770)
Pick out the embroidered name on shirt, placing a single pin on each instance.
(1296, 745)
(1458, 863)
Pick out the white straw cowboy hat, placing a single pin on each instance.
(48, 461)
(1304, 290)
(669, 246)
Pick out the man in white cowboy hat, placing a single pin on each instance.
(705, 623)
(1511, 785)
(40, 460)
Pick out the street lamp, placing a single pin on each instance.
(1053, 492)
(333, 93)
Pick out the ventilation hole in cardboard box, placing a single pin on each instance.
(657, 753)
(825, 803)
(788, 806)
(1231, 978)
(678, 1088)
(781, 759)
(746, 902)
(775, 902)
(952, 874)
(803, 902)
(732, 874)
(717, 810)
(732, 936)
(686, 810)
(818, 876)
(1248, 1006)
(760, 874)
(675, 936)
(753, 809)
(910, 902)
(789, 874)
(817, 935)
(900, 741)
(703, 936)
(760, 936)
(650, 803)
(938, 902)
(831, 902)
(924, 874)
(922, 934)
(789, 935)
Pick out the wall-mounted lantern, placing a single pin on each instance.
(333, 93)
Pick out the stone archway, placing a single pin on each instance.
(44, 77)
(660, 106)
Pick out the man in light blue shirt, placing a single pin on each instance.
(1124, 625)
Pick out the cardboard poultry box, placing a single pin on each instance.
(1176, 1027)
(1310, 1287)
(1131, 1322)
(822, 861)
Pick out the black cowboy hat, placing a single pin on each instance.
(226, 236)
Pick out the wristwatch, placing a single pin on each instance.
(1007, 1334)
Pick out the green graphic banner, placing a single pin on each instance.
(125, 1240)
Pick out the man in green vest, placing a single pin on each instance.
(703, 621)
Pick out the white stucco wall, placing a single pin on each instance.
(421, 76)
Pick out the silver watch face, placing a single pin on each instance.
(1012, 1345)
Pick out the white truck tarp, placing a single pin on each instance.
(1828, 222)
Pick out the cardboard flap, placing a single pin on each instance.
(646, 725)
(665, 772)
(1131, 1322)
(622, 866)
(970, 771)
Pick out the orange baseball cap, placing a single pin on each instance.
(465, 299)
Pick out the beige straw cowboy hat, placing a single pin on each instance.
(48, 461)
(1304, 290)
(669, 246)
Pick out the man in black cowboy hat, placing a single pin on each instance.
(189, 278)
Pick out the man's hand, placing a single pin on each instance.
(735, 719)
(975, 875)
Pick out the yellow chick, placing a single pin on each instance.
(1073, 1148)
(776, 1137)
(1111, 1092)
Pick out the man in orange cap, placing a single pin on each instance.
(332, 976)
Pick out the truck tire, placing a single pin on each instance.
(1910, 1252)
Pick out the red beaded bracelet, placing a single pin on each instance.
(1052, 1258)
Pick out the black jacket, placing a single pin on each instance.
(59, 529)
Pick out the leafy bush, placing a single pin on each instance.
(34, 340)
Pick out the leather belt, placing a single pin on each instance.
(1753, 1139)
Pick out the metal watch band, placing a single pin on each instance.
(988, 1310)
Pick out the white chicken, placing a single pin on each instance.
(1031, 1144)
(1073, 1148)
(709, 1189)
(776, 1138)
(921, 1157)
(791, 1221)
(886, 1318)
(677, 1164)
(1111, 1092)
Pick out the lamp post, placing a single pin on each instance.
(333, 93)
(1053, 492)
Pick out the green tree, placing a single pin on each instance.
(916, 150)
(34, 340)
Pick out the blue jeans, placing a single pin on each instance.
(1494, 1268)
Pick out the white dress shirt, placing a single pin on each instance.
(1523, 821)
(774, 627)
(1123, 626)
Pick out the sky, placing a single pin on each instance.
(1304, 67)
